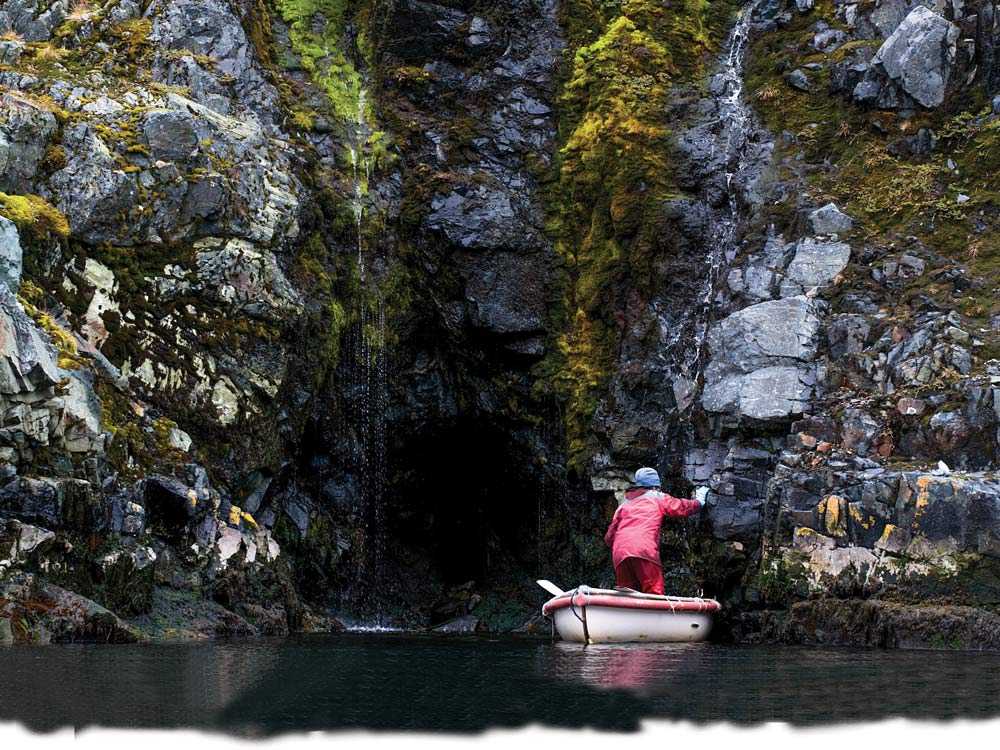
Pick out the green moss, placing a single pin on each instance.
(132, 38)
(257, 25)
(55, 159)
(325, 327)
(614, 173)
(34, 215)
(139, 443)
(30, 297)
(303, 118)
(317, 31)
(407, 76)
(774, 581)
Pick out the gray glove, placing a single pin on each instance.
(700, 495)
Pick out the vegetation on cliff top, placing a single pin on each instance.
(945, 198)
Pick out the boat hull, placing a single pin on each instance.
(614, 617)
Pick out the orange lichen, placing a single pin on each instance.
(834, 518)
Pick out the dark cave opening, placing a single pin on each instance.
(468, 498)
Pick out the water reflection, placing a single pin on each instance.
(643, 669)
(710, 683)
(258, 687)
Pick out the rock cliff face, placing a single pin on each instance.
(316, 309)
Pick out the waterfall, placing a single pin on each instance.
(733, 126)
(367, 389)
(367, 396)
(361, 166)
(724, 144)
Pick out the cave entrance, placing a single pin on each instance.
(468, 498)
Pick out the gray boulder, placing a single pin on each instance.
(866, 91)
(483, 217)
(11, 52)
(830, 40)
(27, 360)
(763, 270)
(887, 16)
(23, 539)
(505, 292)
(782, 329)
(50, 614)
(762, 361)
(11, 255)
(35, 501)
(91, 190)
(25, 129)
(209, 28)
(919, 55)
(33, 20)
(170, 135)
(771, 393)
(815, 264)
(185, 192)
(797, 79)
(829, 220)
(858, 430)
(241, 277)
(464, 624)
(80, 425)
(127, 515)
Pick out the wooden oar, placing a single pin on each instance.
(550, 587)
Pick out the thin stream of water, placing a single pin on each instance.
(368, 385)
(732, 124)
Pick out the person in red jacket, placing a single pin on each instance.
(634, 534)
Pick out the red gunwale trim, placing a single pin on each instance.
(666, 604)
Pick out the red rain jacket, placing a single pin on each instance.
(635, 529)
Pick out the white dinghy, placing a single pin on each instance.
(586, 615)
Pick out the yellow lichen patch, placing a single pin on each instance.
(808, 540)
(893, 538)
(886, 533)
(235, 512)
(834, 518)
(249, 521)
(862, 519)
(193, 497)
(923, 493)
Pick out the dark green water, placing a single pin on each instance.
(260, 687)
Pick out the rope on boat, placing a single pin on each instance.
(585, 590)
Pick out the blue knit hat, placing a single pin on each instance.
(647, 477)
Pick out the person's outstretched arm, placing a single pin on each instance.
(676, 507)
